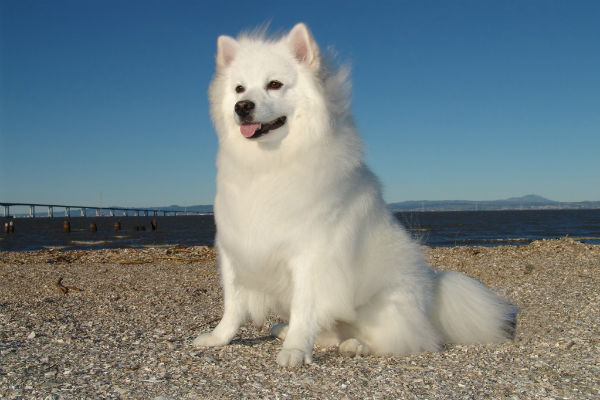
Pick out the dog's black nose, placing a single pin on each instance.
(244, 108)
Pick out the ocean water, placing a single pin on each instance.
(496, 228)
(460, 228)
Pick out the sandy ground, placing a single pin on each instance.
(120, 325)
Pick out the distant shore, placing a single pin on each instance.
(527, 202)
(118, 323)
(394, 207)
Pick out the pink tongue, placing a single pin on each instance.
(249, 129)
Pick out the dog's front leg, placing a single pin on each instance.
(303, 327)
(236, 309)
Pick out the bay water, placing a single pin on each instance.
(432, 228)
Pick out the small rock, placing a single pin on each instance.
(121, 391)
(50, 374)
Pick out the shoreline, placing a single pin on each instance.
(127, 334)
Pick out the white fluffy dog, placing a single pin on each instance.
(302, 229)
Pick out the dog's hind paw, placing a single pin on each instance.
(293, 358)
(209, 340)
(353, 347)
(279, 330)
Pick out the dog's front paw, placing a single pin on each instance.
(293, 358)
(209, 340)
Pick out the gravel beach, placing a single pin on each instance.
(119, 324)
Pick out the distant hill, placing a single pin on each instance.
(528, 202)
(207, 208)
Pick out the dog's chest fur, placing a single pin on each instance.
(262, 219)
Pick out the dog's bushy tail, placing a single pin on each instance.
(468, 312)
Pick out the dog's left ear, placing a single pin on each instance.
(303, 45)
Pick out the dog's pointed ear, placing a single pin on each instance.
(303, 45)
(227, 48)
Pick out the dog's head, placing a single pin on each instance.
(260, 87)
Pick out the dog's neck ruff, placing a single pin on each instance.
(255, 130)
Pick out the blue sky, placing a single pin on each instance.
(105, 101)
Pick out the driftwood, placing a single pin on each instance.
(65, 289)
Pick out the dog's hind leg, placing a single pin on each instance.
(279, 330)
(324, 339)
(392, 324)
(354, 347)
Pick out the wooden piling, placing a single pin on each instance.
(154, 224)
(66, 226)
(6, 229)
(11, 226)
(117, 226)
(93, 228)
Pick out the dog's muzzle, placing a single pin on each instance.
(251, 129)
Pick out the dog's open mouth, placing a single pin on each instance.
(253, 130)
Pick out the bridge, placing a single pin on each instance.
(97, 211)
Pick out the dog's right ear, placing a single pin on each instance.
(227, 48)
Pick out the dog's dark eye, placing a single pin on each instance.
(240, 89)
(274, 85)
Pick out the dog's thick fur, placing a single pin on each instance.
(302, 229)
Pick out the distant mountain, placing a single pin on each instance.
(529, 199)
(528, 202)
(207, 208)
